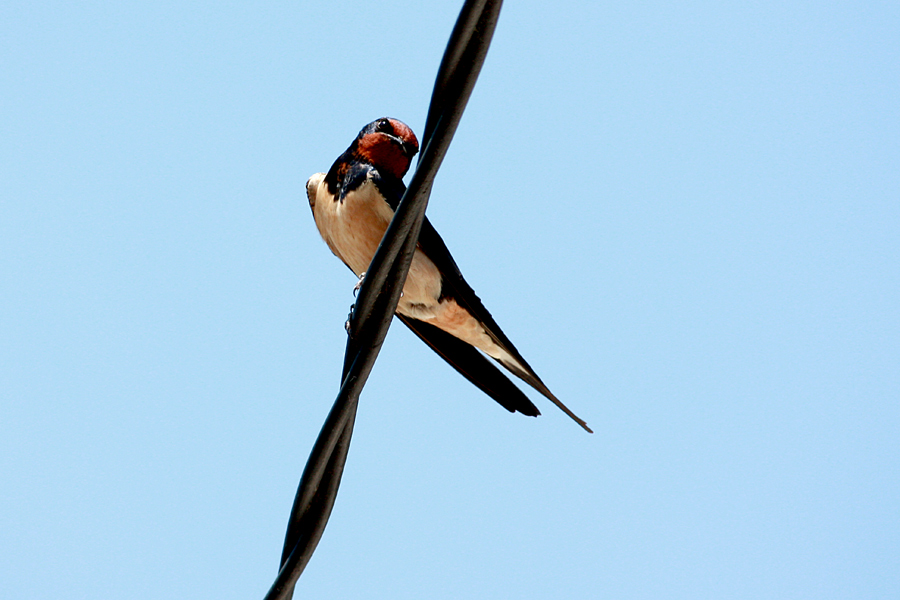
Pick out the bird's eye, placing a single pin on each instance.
(384, 125)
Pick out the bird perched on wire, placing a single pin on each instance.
(353, 204)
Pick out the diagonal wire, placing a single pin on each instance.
(380, 292)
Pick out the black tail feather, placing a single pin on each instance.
(474, 366)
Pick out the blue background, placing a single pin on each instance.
(686, 216)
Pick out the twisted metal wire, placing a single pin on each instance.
(380, 292)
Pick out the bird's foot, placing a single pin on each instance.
(349, 316)
(359, 283)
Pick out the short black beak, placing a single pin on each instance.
(409, 150)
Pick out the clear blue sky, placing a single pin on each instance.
(687, 217)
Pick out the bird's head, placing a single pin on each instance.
(387, 144)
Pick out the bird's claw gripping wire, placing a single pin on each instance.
(359, 283)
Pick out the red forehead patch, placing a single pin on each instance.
(402, 131)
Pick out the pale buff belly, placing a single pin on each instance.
(354, 228)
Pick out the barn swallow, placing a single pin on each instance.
(353, 204)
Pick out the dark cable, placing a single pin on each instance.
(380, 292)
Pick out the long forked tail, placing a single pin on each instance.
(474, 366)
(529, 377)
